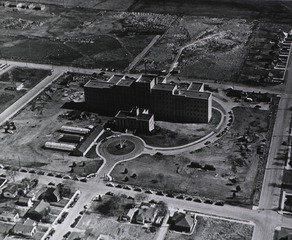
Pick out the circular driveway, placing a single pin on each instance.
(133, 146)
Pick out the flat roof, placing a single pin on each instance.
(132, 114)
(98, 84)
(146, 78)
(164, 86)
(126, 82)
(194, 86)
(194, 94)
(115, 78)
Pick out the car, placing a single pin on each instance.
(208, 201)
(127, 188)
(138, 189)
(66, 235)
(7, 167)
(131, 198)
(170, 195)
(67, 177)
(2, 175)
(119, 186)
(91, 175)
(148, 191)
(219, 203)
(51, 184)
(152, 201)
(197, 200)
(50, 174)
(180, 197)
(160, 194)
(109, 194)
(32, 171)
(110, 185)
(189, 199)
(83, 180)
(208, 142)
(59, 176)
(40, 172)
(23, 170)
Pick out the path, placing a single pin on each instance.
(142, 54)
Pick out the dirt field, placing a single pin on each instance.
(176, 134)
(234, 157)
(40, 122)
(213, 229)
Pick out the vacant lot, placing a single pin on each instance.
(176, 134)
(204, 48)
(213, 229)
(29, 78)
(234, 158)
(81, 37)
(109, 226)
(40, 122)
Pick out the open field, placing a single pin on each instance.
(40, 122)
(234, 157)
(80, 37)
(29, 78)
(213, 229)
(216, 44)
(176, 134)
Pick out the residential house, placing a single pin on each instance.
(39, 210)
(128, 217)
(10, 215)
(52, 194)
(182, 222)
(24, 202)
(146, 213)
(10, 191)
(26, 228)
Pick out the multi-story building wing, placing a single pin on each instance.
(167, 102)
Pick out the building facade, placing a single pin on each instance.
(137, 119)
(168, 102)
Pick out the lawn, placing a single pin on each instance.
(213, 229)
(177, 134)
(235, 164)
(88, 168)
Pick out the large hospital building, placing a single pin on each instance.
(168, 102)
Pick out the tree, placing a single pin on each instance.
(162, 208)
(111, 207)
(125, 171)
(12, 173)
(238, 188)
(140, 197)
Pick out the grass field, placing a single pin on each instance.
(172, 173)
(213, 229)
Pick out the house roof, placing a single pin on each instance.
(125, 82)
(132, 114)
(40, 206)
(23, 228)
(115, 78)
(182, 220)
(146, 78)
(23, 200)
(11, 188)
(146, 212)
(52, 191)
